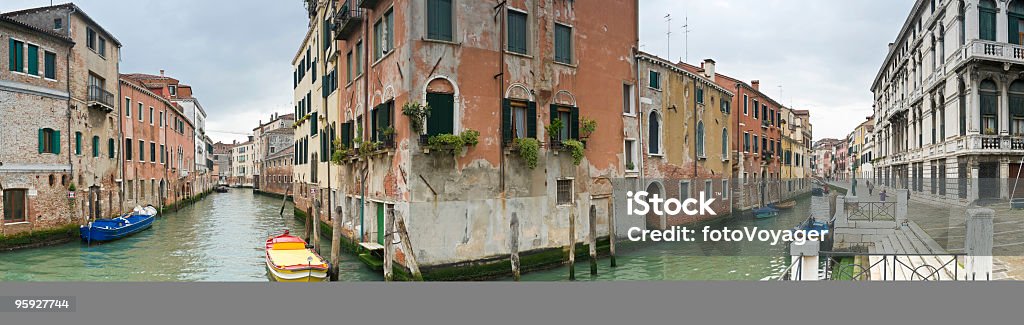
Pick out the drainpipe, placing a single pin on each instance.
(67, 76)
(366, 108)
(502, 11)
(120, 135)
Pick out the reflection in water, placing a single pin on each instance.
(220, 238)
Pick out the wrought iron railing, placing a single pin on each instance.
(945, 266)
(100, 95)
(871, 211)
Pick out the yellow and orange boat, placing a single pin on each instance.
(290, 260)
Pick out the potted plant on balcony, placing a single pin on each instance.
(452, 143)
(554, 129)
(990, 131)
(417, 114)
(576, 148)
(587, 128)
(388, 137)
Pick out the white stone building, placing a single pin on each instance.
(949, 101)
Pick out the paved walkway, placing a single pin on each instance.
(945, 226)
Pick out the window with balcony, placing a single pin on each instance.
(520, 120)
(442, 113)
(987, 20)
(569, 117)
(1017, 107)
(1015, 16)
(989, 107)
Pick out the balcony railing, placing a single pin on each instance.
(368, 4)
(100, 98)
(1005, 52)
(346, 21)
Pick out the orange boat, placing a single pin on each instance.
(290, 260)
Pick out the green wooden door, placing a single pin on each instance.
(380, 223)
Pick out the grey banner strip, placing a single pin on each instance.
(36, 304)
(526, 303)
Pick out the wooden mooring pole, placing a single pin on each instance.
(611, 229)
(593, 240)
(284, 200)
(410, 255)
(572, 243)
(335, 242)
(389, 247)
(514, 245)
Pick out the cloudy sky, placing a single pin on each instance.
(237, 54)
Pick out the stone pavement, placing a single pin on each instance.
(946, 226)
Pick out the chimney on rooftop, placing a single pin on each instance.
(161, 72)
(756, 84)
(709, 69)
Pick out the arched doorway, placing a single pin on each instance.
(653, 220)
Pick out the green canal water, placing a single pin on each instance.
(679, 261)
(219, 238)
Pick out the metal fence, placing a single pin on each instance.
(871, 211)
(853, 266)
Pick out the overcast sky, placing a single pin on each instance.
(237, 54)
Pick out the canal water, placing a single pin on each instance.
(680, 261)
(219, 238)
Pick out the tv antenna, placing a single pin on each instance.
(668, 34)
(686, 38)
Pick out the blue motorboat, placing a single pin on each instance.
(766, 212)
(102, 230)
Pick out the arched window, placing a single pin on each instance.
(1017, 107)
(654, 134)
(441, 98)
(962, 100)
(963, 25)
(987, 20)
(1015, 19)
(989, 107)
(725, 143)
(700, 139)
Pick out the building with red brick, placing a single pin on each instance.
(35, 167)
(92, 110)
(488, 150)
(756, 142)
(157, 145)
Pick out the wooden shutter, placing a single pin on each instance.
(442, 113)
(506, 121)
(55, 137)
(14, 48)
(1012, 30)
(439, 20)
(531, 120)
(553, 111)
(78, 143)
(517, 30)
(574, 123)
(42, 140)
(50, 61)
(33, 60)
(95, 146)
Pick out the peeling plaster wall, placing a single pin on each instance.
(468, 218)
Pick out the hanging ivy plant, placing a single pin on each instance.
(576, 148)
(529, 149)
(418, 114)
(470, 137)
(454, 143)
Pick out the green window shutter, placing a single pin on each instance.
(42, 140)
(574, 123)
(517, 30)
(55, 137)
(442, 114)
(13, 47)
(50, 60)
(95, 146)
(346, 134)
(563, 43)
(33, 60)
(389, 115)
(987, 24)
(506, 121)
(374, 123)
(1012, 30)
(78, 143)
(439, 20)
(531, 120)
